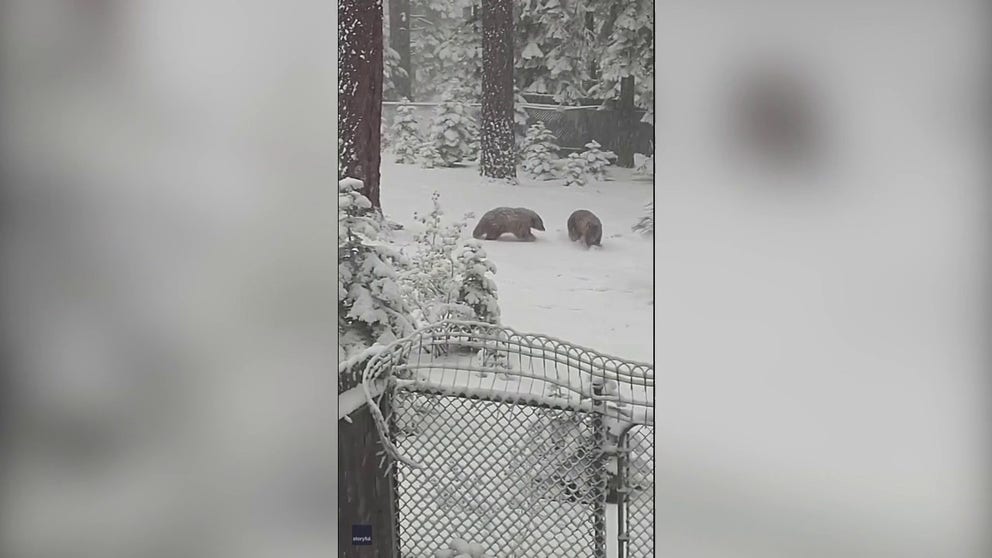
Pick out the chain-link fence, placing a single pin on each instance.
(573, 127)
(510, 440)
(636, 499)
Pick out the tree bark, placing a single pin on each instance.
(628, 124)
(365, 492)
(497, 159)
(399, 40)
(360, 93)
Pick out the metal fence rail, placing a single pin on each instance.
(510, 440)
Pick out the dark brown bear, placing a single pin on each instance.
(516, 220)
(585, 225)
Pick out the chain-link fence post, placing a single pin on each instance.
(386, 406)
(622, 491)
(599, 469)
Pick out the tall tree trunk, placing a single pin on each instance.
(497, 159)
(399, 40)
(360, 93)
(628, 124)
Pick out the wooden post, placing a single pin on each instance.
(365, 492)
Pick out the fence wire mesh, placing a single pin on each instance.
(491, 475)
(509, 440)
(638, 502)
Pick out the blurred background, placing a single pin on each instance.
(167, 278)
(822, 324)
(822, 279)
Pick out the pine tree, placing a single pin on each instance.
(453, 132)
(576, 170)
(626, 43)
(445, 40)
(428, 156)
(478, 284)
(405, 134)
(360, 94)
(496, 157)
(597, 160)
(371, 308)
(539, 152)
(645, 225)
(553, 51)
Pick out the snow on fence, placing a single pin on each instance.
(524, 443)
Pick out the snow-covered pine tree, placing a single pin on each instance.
(371, 309)
(428, 156)
(645, 225)
(576, 170)
(597, 160)
(539, 152)
(405, 134)
(454, 132)
(445, 41)
(645, 167)
(552, 48)
(478, 284)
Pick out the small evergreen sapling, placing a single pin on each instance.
(645, 164)
(405, 134)
(576, 170)
(645, 225)
(478, 284)
(371, 308)
(539, 152)
(597, 160)
(454, 132)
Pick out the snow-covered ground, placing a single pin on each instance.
(600, 298)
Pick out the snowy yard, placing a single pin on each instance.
(600, 298)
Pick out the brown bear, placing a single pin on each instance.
(585, 225)
(516, 220)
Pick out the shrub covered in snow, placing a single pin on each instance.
(539, 150)
(428, 156)
(646, 224)
(432, 282)
(371, 308)
(404, 135)
(576, 170)
(597, 160)
(478, 284)
(454, 132)
(643, 166)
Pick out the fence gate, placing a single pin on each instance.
(522, 443)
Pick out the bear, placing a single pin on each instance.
(516, 220)
(583, 224)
